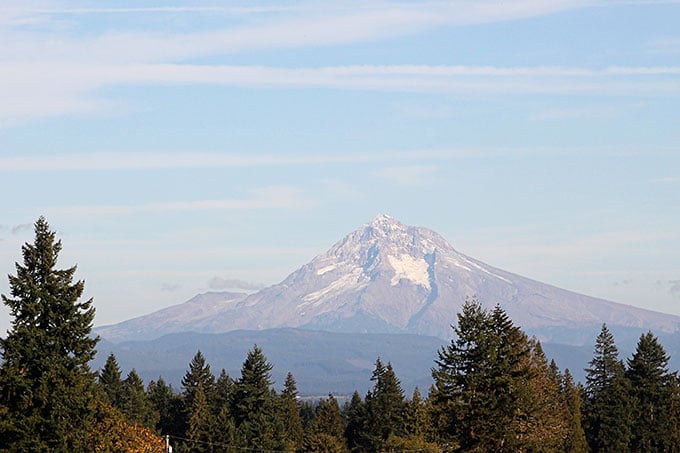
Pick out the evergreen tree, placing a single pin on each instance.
(416, 419)
(607, 409)
(224, 389)
(651, 388)
(222, 429)
(110, 382)
(290, 413)
(480, 382)
(46, 387)
(385, 407)
(135, 403)
(328, 419)
(456, 403)
(417, 428)
(322, 443)
(543, 420)
(199, 421)
(575, 442)
(355, 416)
(253, 405)
(198, 374)
(169, 406)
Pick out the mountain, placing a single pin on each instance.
(387, 277)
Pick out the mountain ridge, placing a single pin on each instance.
(392, 278)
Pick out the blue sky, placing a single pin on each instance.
(181, 147)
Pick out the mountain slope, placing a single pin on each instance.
(389, 277)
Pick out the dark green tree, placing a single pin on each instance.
(575, 442)
(458, 396)
(289, 411)
(224, 389)
(46, 387)
(252, 404)
(355, 417)
(198, 373)
(607, 408)
(135, 404)
(481, 382)
(416, 418)
(169, 406)
(223, 431)
(110, 382)
(328, 419)
(385, 407)
(198, 429)
(652, 391)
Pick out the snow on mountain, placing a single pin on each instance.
(389, 277)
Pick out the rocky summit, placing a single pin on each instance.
(391, 278)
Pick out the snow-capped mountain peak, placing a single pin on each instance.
(390, 277)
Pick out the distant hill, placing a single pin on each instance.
(324, 362)
(321, 362)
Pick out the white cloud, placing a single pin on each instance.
(33, 90)
(275, 197)
(18, 229)
(311, 25)
(221, 283)
(149, 160)
(667, 180)
(199, 159)
(51, 69)
(674, 287)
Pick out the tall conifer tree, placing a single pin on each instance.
(46, 386)
(168, 404)
(110, 382)
(253, 404)
(652, 389)
(198, 373)
(385, 407)
(355, 415)
(136, 404)
(198, 429)
(607, 409)
(575, 442)
(481, 381)
(290, 412)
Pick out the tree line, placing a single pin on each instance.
(493, 391)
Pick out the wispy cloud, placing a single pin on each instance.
(675, 287)
(199, 159)
(170, 287)
(34, 89)
(220, 283)
(275, 197)
(309, 24)
(624, 282)
(18, 229)
(667, 180)
(49, 69)
(149, 160)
